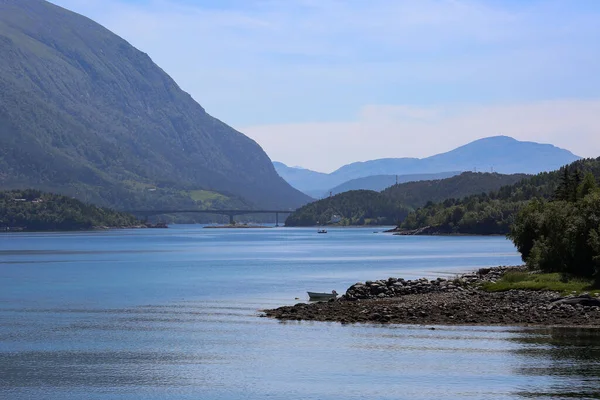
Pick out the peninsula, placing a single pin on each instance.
(33, 210)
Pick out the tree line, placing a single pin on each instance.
(33, 210)
(494, 212)
(393, 205)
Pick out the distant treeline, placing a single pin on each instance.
(495, 211)
(33, 210)
(393, 205)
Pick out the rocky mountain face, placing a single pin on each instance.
(84, 113)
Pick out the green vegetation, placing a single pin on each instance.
(562, 235)
(206, 196)
(539, 281)
(356, 207)
(494, 212)
(32, 210)
(85, 114)
(366, 207)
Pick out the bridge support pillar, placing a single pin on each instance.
(231, 221)
(276, 219)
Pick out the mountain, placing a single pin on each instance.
(310, 182)
(389, 207)
(380, 182)
(501, 154)
(84, 113)
(493, 212)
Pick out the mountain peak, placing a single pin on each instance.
(500, 153)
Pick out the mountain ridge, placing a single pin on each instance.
(501, 154)
(392, 205)
(381, 182)
(86, 114)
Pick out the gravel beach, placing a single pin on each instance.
(457, 301)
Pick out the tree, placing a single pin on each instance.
(561, 236)
(587, 186)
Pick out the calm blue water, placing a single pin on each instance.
(174, 314)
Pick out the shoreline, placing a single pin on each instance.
(92, 229)
(237, 226)
(432, 231)
(457, 301)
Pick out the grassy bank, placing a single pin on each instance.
(553, 282)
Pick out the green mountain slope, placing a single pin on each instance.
(381, 182)
(360, 207)
(32, 210)
(492, 212)
(82, 112)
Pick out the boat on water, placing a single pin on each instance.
(322, 231)
(316, 296)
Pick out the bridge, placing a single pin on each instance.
(230, 213)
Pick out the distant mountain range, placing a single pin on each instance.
(501, 154)
(84, 113)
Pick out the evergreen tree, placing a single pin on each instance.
(564, 187)
(587, 186)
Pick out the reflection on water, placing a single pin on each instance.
(570, 356)
(175, 315)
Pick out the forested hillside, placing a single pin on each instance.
(392, 205)
(356, 207)
(32, 210)
(84, 113)
(381, 182)
(494, 212)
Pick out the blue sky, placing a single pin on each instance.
(324, 83)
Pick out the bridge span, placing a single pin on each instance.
(230, 213)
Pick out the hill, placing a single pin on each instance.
(493, 212)
(381, 182)
(365, 207)
(356, 207)
(32, 210)
(86, 114)
(503, 154)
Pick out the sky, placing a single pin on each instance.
(322, 83)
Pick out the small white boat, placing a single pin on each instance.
(315, 296)
(322, 231)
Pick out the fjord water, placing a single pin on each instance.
(174, 314)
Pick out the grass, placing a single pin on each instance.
(206, 195)
(527, 281)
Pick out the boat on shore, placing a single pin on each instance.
(322, 231)
(316, 296)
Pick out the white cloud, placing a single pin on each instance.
(404, 131)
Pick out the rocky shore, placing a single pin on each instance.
(457, 301)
